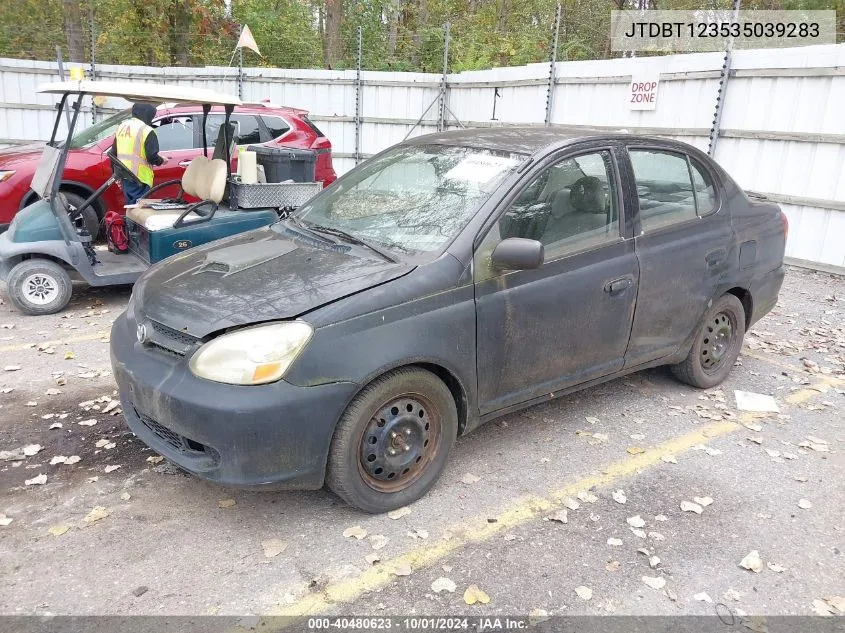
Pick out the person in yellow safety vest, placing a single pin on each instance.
(136, 146)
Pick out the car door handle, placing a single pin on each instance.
(618, 285)
(184, 163)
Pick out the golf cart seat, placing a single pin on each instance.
(204, 179)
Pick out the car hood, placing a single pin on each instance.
(253, 277)
(15, 155)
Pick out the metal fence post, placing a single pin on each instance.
(92, 28)
(358, 95)
(61, 64)
(441, 118)
(723, 87)
(550, 91)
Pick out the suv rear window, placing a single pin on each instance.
(313, 127)
(275, 125)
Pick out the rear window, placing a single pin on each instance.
(275, 125)
(313, 127)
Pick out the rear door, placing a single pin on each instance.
(683, 245)
(568, 321)
(177, 141)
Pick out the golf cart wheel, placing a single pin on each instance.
(89, 216)
(39, 286)
(393, 440)
(717, 344)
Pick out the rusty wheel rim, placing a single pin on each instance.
(717, 341)
(399, 442)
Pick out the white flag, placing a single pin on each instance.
(246, 40)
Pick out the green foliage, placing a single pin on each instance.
(399, 35)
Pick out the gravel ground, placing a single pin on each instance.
(171, 544)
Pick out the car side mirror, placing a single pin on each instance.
(517, 253)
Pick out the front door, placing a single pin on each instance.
(568, 321)
(177, 141)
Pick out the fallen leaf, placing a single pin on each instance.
(655, 582)
(703, 501)
(32, 449)
(11, 456)
(97, 514)
(804, 504)
(443, 584)
(52, 391)
(561, 516)
(778, 569)
(73, 459)
(55, 425)
(638, 533)
(91, 422)
(125, 496)
(12, 368)
(656, 536)
(661, 517)
(635, 521)
(688, 506)
(614, 541)
(772, 453)
(112, 468)
(702, 597)
(69, 355)
(592, 420)
(418, 534)
(155, 459)
(58, 459)
(670, 594)
(837, 602)
(635, 450)
(757, 439)
(226, 503)
(669, 459)
(356, 531)
(619, 496)
(4, 520)
(612, 566)
(402, 570)
(273, 547)
(372, 558)
(585, 593)
(752, 562)
(399, 513)
(587, 497)
(40, 480)
(101, 443)
(820, 607)
(111, 406)
(653, 561)
(378, 541)
(571, 504)
(470, 479)
(58, 530)
(732, 594)
(32, 403)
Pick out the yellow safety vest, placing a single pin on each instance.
(130, 137)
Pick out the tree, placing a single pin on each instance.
(74, 36)
(332, 45)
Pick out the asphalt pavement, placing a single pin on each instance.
(639, 496)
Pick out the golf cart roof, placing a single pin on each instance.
(140, 91)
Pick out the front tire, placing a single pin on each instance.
(393, 440)
(39, 286)
(718, 341)
(90, 217)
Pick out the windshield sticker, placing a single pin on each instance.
(480, 168)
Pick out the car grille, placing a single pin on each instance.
(174, 439)
(179, 443)
(171, 340)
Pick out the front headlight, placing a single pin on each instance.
(6, 174)
(252, 356)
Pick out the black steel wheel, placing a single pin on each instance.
(717, 343)
(393, 441)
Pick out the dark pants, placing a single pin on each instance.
(133, 190)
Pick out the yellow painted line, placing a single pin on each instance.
(480, 529)
(67, 341)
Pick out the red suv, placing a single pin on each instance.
(179, 131)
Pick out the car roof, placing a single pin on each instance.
(528, 140)
(140, 91)
(247, 108)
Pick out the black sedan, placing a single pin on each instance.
(449, 280)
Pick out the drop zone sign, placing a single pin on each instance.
(643, 92)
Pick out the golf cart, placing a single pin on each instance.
(48, 244)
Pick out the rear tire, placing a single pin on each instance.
(39, 286)
(393, 440)
(718, 341)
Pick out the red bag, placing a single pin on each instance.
(116, 233)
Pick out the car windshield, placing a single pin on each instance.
(412, 198)
(99, 131)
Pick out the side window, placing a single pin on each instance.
(569, 206)
(275, 125)
(664, 188)
(175, 132)
(246, 128)
(705, 192)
